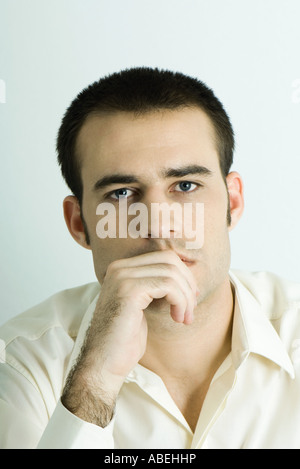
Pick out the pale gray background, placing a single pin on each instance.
(248, 51)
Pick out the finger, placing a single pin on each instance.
(181, 306)
(157, 271)
(159, 257)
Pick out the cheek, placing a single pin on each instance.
(216, 215)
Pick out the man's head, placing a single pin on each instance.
(151, 137)
(139, 91)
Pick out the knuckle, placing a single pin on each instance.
(113, 266)
(115, 271)
(126, 286)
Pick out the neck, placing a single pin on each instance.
(176, 351)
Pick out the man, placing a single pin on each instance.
(171, 349)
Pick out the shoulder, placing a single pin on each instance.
(279, 301)
(35, 348)
(63, 310)
(274, 293)
(36, 345)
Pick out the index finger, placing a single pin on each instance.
(164, 256)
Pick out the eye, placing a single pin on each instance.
(122, 193)
(185, 186)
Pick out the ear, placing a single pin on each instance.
(73, 219)
(236, 197)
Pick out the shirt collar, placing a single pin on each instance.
(253, 332)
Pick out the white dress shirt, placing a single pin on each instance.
(253, 400)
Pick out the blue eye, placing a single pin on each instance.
(122, 193)
(186, 186)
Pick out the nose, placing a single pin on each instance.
(164, 216)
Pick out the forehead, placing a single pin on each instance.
(117, 141)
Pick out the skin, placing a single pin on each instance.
(161, 305)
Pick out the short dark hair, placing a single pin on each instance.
(140, 90)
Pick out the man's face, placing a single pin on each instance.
(149, 159)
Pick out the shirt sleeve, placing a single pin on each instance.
(25, 422)
(66, 431)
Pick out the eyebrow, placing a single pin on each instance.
(186, 171)
(115, 179)
(166, 173)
